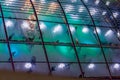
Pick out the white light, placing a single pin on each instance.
(108, 33)
(98, 30)
(85, 30)
(73, 1)
(93, 11)
(42, 26)
(8, 23)
(72, 29)
(104, 12)
(74, 16)
(115, 14)
(97, 2)
(25, 25)
(57, 29)
(69, 8)
(28, 65)
(91, 66)
(42, 1)
(61, 65)
(118, 34)
(86, 1)
(81, 8)
(108, 3)
(116, 66)
(9, 2)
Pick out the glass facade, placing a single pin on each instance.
(75, 38)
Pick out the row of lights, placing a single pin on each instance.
(93, 11)
(58, 28)
(63, 66)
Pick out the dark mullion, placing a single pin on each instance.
(7, 40)
(73, 44)
(43, 45)
(98, 39)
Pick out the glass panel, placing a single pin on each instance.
(65, 69)
(25, 52)
(4, 53)
(75, 12)
(83, 34)
(29, 68)
(53, 32)
(2, 33)
(61, 53)
(109, 36)
(90, 54)
(95, 70)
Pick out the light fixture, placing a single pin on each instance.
(107, 3)
(74, 16)
(108, 33)
(9, 23)
(118, 34)
(97, 2)
(73, 1)
(85, 1)
(98, 30)
(61, 66)
(85, 30)
(115, 14)
(91, 66)
(69, 8)
(81, 8)
(93, 11)
(72, 29)
(25, 25)
(104, 13)
(116, 66)
(42, 26)
(9, 2)
(42, 1)
(57, 29)
(28, 65)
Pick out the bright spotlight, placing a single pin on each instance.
(97, 2)
(115, 14)
(81, 8)
(74, 16)
(85, 30)
(73, 1)
(98, 30)
(72, 29)
(69, 8)
(42, 26)
(28, 65)
(85, 1)
(118, 33)
(116, 66)
(104, 12)
(93, 11)
(9, 2)
(25, 25)
(108, 33)
(57, 29)
(107, 3)
(91, 66)
(61, 65)
(8, 23)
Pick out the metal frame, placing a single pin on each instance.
(98, 38)
(43, 45)
(7, 40)
(70, 34)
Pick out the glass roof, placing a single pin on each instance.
(75, 38)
